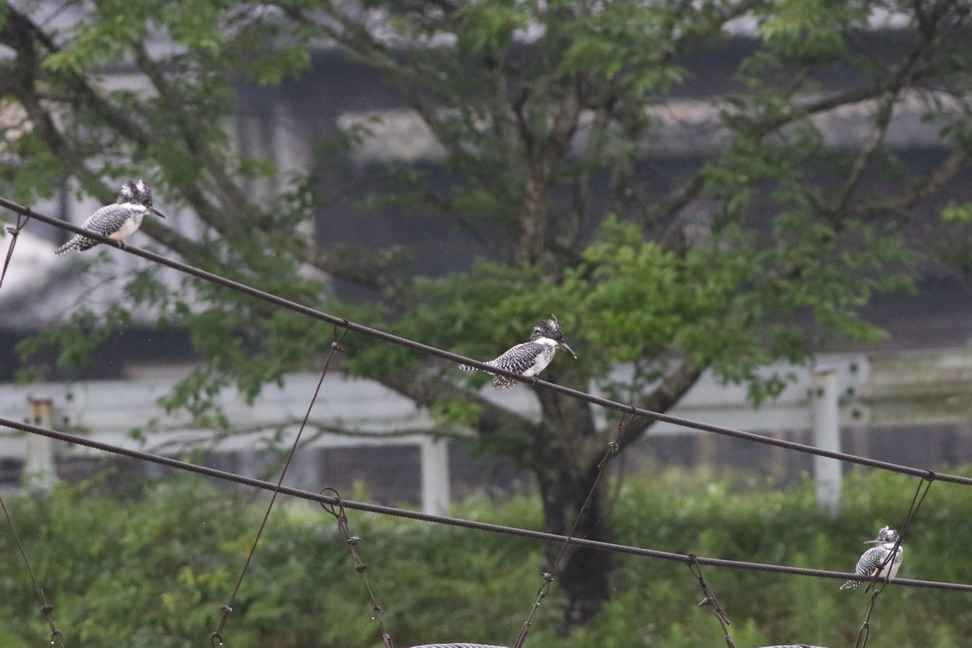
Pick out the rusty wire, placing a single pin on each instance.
(336, 508)
(621, 407)
(14, 231)
(453, 357)
(216, 637)
(876, 585)
(46, 608)
(459, 522)
(549, 577)
(710, 600)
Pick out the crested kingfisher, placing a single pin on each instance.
(118, 220)
(529, 358)
(879, 559)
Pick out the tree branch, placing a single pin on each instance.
(943, 173)
(86, 94)
(356, 265)
(556, 143)
(425, 389)
(358, 40)
(866, 152)
(673, 386)
(233, 198)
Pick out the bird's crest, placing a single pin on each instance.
(549, 328)
(135, 191)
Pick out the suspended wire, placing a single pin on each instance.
(710, 601)
(14, 231)
(336, 506)
(691, 560)
(459, 522)
(216, 638)
(864, 632)
(46, 608)
(549, 577)
(458, 359)
(352, 542)
(904, 529)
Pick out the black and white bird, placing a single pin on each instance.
(529, 358)
(118, 220)
(878, 559)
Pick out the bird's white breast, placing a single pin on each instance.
(543, 358)
(131, 224)
(891, 570)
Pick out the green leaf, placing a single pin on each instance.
(956, 212)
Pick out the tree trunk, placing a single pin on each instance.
(584, 574)
(533, 219)
(566, 452)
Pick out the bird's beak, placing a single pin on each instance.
(872, 542)
(563, 345)
(156, 212)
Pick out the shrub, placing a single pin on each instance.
(151, 566)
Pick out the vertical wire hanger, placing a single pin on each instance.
(216, 637)
(46, 608)
(549, 577)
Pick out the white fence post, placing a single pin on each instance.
(826, 436)
(39, 450)
(435, 476)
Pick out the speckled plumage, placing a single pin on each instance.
(876, 559)
(117, 221)
(529, 358)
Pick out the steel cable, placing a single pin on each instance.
(452, 357)
(46, 608)
(216, 637)
(459, 522)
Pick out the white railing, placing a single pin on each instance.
(861, 390)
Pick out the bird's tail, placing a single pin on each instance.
(468, 368)
(79, 243)
(502, 382)
(73, 244)
(499, 382)
(850, 585)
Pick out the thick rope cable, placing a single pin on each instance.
(458, 359)
(216, 638)
(46, 608)
(459, 522)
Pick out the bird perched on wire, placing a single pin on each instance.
(118, 220)
(879, 559)
(529, 358)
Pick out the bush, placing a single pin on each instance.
(151, 567)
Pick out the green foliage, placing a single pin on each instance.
(456, 411)
(73, 340)
(730, 303)
(803, 31)
(546, 114)
(152, 566)
(957, 212)
(736, 299)
(487, 28)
